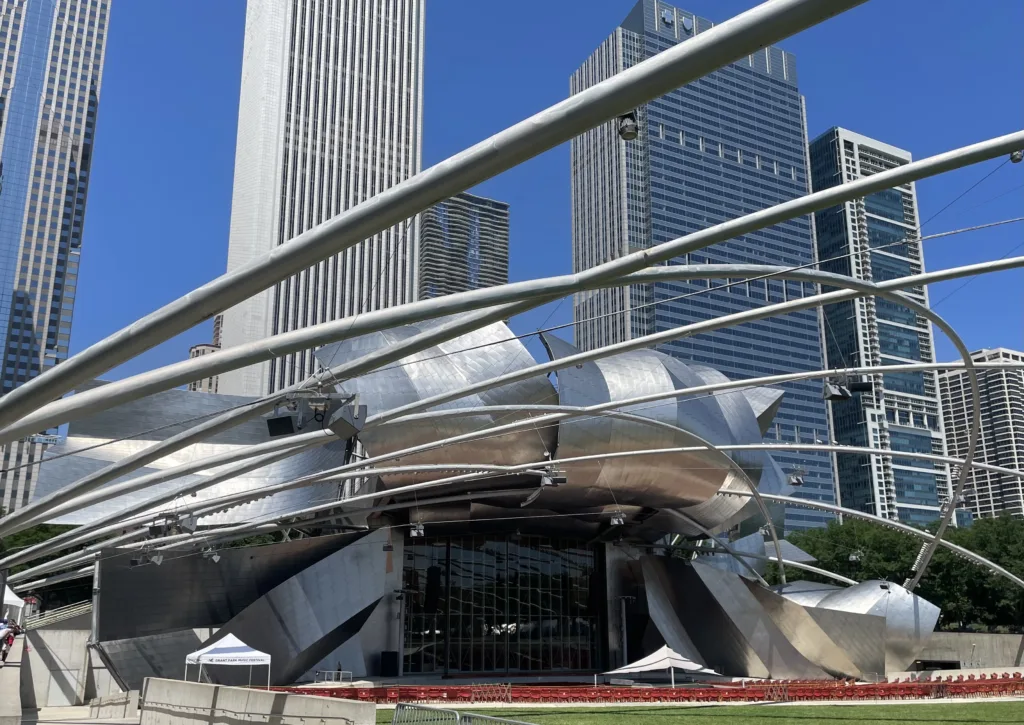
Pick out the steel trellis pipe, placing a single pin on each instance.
(477, 472)
(919, 533)
(75, 406)
(38, 510)
(565, 362)
(677, 66)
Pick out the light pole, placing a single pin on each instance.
(622, 625)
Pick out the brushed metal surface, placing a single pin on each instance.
(723, 619)
(327, 612)
(471, 358)
(807, 635)
(909, 619)
(188, 591)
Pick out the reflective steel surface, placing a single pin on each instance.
(472, 358)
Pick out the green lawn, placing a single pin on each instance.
(952, 712)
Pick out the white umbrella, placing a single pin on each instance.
(663, 659)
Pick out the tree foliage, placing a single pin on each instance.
(970, 596)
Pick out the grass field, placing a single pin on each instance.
(927, 714)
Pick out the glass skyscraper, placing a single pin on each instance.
(329, 115)
(728, 144)
(51, 54)
(463, 245)
(876, 238)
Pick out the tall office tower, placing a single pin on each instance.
(728, 144)
(876, 238)
(51, 53)
(1002, 431)
(329, 115)
(463, 245)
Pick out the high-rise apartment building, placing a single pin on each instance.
(728, 144)
(463, 245)
(329, 115)
(211, 383)
(876, 238)
(1001, 442)
(51, 55)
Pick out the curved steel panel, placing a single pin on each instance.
(471, 358)
(109, 436)
(909, 619)
(689, 481)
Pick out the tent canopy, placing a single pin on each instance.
(13, 604)
(228, 651)
(663, 659)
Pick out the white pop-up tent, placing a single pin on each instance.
(14, 606)
(229, 650)
(663, 659)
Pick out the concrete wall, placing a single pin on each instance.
(60, 670)
(10, 685)
(122, 706)
(173, 702)
(975, 650)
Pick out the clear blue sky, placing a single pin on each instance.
(925, 75)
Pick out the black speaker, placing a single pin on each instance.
(389, 663)
(283, 425)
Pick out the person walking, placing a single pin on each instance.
(7, 632)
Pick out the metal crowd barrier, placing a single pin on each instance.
(406, 714)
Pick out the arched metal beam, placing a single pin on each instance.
(838, 280)
(84, 534)
(762, 557)
(42, 508)
(115, 393)
(676, 66)
(904, 528)
(479, 472)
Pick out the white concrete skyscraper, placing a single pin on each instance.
(51, 55)
(330, 114)
(989, 493)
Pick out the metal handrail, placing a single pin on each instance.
(53, 616)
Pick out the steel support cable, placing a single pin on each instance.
(698, 327)
(478, 472)
(736, 38)
(76, 406)
(758, 313)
